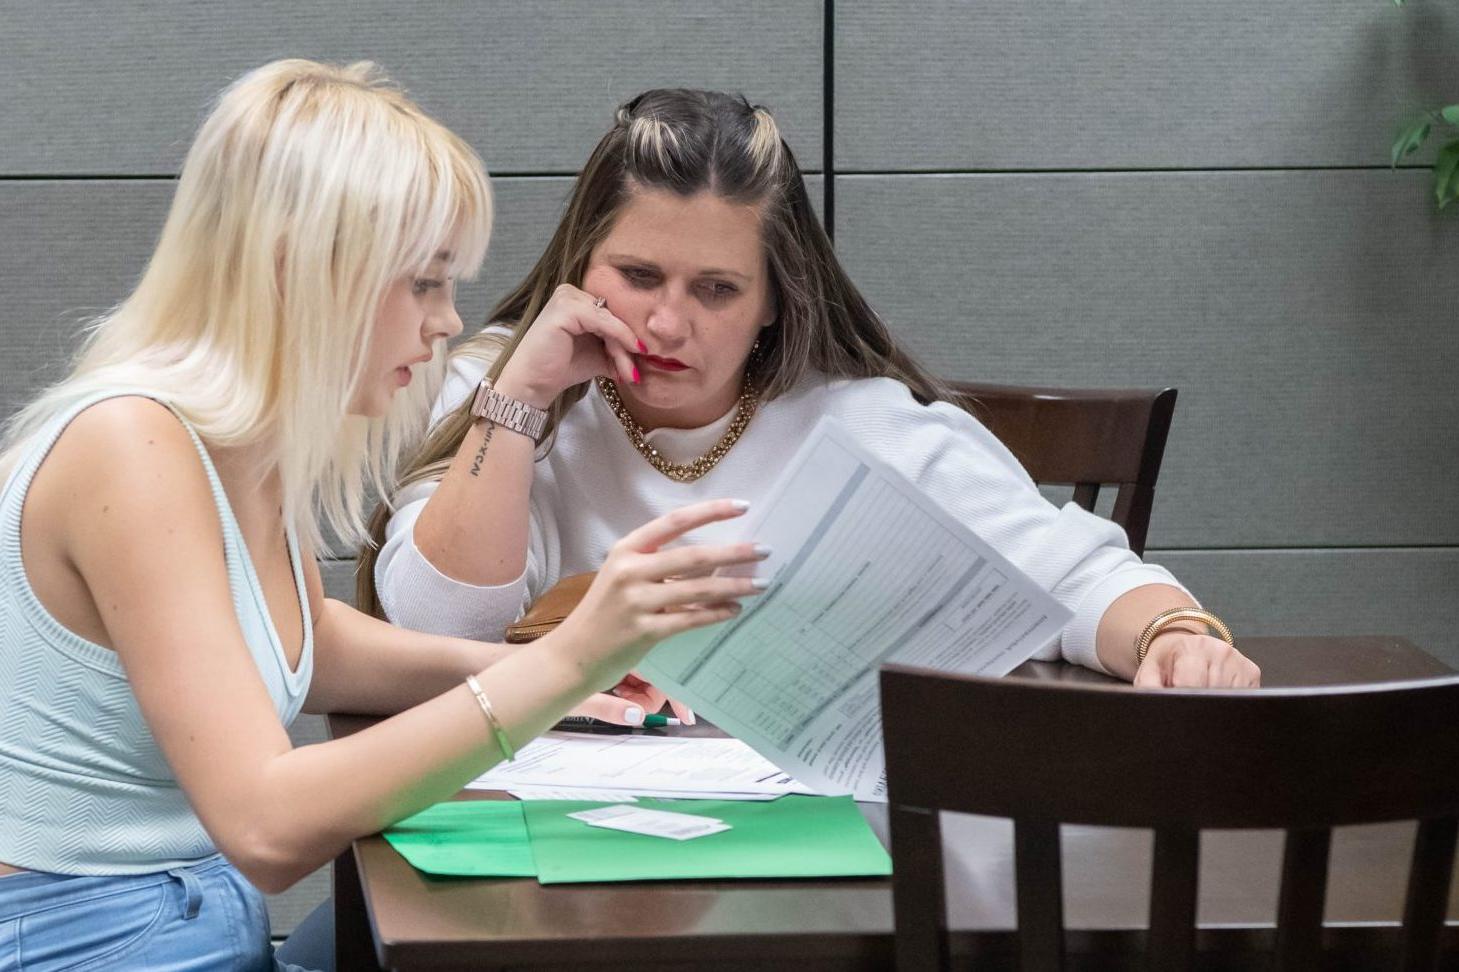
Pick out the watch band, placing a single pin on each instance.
(507, 412)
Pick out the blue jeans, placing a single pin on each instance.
(204, 916)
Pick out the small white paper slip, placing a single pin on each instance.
(651, 823)
(605, 813)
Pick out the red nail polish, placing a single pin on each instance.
(635, 374)
(643, 348)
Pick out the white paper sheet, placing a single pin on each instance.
(565, 793)
(865, 569)
(601, 795)
(669, 766)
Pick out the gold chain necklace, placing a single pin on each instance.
(685, 472)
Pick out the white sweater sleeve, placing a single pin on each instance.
(1082, 559)
(413, 592)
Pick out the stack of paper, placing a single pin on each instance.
(583, 766)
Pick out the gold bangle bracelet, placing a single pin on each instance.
(1164, 619)
(492, 722)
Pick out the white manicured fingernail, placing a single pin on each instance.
(763, 551)
(633, 715)
(740, 505)
(689, 719)
(760, 583)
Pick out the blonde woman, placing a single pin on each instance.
(161, 613)
(687, 324)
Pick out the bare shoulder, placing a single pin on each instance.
(128, 459)
(121, 491)
(127, 417)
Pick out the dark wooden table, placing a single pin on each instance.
(390, 914)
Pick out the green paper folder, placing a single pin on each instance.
(794, 836)
(467, 838)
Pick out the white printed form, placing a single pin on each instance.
(672, 766)
(865, 569)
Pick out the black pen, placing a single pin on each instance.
(590, 724)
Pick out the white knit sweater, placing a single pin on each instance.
(594, 487)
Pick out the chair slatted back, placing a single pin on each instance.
(1303, 760)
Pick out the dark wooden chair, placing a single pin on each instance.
(1084, 437)
(1301, 759)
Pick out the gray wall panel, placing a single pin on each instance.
(1404, 592)
(119, 88)
(67, 251)
(1307, 318)
(339, 579)
(952, 84)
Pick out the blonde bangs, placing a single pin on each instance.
(451, 209)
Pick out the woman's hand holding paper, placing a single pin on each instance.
(630, 608)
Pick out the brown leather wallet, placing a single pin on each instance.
(549, 610)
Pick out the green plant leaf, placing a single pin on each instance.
(1409, 140)
(1446, 168)
(1450, 114)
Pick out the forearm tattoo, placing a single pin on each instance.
(481, 452)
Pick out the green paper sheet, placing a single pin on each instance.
(468, 838)
(794, 836)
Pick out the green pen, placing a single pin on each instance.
(657, 721)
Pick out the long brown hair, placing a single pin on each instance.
(688, 141)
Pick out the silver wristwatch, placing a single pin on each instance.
(508, 412)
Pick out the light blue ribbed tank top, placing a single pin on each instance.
(84, 788)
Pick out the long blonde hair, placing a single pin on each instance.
(309, 189)
(688, 141)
